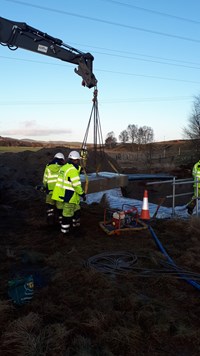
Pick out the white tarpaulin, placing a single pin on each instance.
(115, 200)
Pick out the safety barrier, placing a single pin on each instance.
(176, 182)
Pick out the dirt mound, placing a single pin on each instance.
(21, 172)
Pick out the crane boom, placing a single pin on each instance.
(20, 35)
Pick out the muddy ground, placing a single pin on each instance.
(128, 301)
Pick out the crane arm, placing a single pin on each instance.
(20, 35)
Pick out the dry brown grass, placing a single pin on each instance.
(123, 340)
(22, 336)
(28, 336)
(6, 310)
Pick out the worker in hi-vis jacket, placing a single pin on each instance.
(68, 190)
(53, 208)
(196, 176)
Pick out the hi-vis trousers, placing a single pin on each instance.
(53, 209)
(70, 217)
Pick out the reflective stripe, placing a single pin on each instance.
(60, 180)
(65, 226)
(75, 178)
(77, 224)
(69, 169)
(52, 180)
(59, 185)
(52, 174)
(69, 188)
(49, 176)
(77, 184)
(65, 187)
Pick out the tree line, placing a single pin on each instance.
(144, 134)
(133, 134)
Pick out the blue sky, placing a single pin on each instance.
(147, 62)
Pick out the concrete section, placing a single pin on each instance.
(101, 181)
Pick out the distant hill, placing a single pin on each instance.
(26, 142)
(9, 142)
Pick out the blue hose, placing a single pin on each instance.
(158, 243)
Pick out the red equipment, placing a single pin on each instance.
(118, 221)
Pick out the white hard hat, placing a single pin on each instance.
(74, 155)
(59, 155)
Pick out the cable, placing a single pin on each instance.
(153, 11)
(118, 262)
(130, 6)
(116, 72)
(75, 102)
(142, 29)
(136, 54)
(156, 58)
(147, 60)
(149, 76)
(122, 262)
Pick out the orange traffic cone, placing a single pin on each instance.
(145, 207)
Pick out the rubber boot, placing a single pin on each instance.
(50, 213)
(66, 226)
(59, 216)
(77, 229)
(76, 219)
(76, 223)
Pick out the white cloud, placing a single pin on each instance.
(31, 128)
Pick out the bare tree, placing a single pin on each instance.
(139, 138)
(110, 140)
(192, 131)
(132, 133)
(123, 137)
(148, 135)
(145, 135)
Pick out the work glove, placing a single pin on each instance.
(83, 196)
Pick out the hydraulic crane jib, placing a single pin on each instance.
(20, 35)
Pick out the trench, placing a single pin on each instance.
(157, 192)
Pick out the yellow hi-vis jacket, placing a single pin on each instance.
(68, 186)
(196, 174)
(50, 176)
